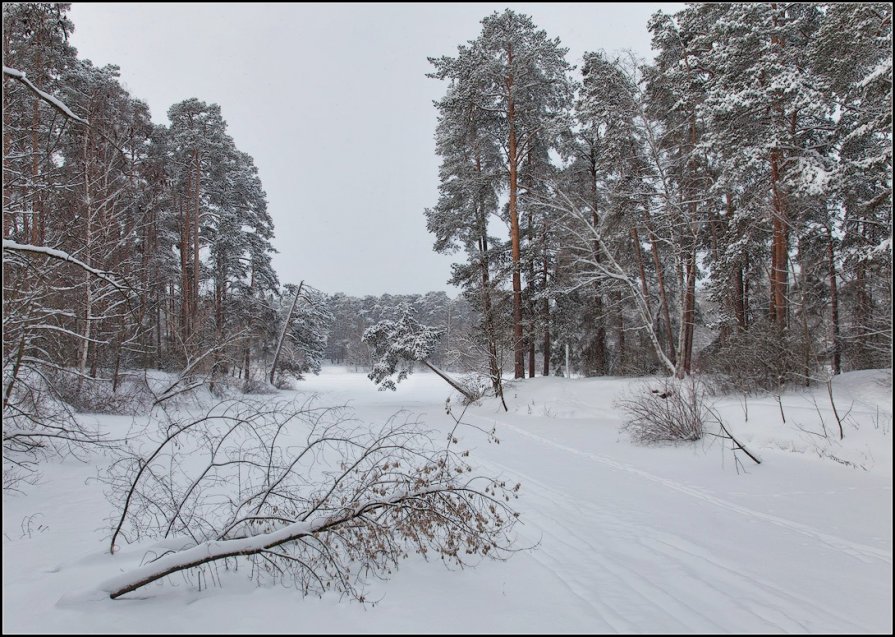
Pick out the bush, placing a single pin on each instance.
(282, 382)
(253, 386)
(100, 396)
(475, 386)
(39, 423)
(666, 410)
(762, 359)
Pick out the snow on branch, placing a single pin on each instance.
(308, 495)
(49, 99)
(396, 345)
(64, 256)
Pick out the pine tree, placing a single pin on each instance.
(852, 53)
(470, 178)
(521, 77)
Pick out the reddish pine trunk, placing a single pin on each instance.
(196, 215)
(518, 345)
(779, 267)
(689, 313)
(185, 286)
(532, 327)
(545, 309)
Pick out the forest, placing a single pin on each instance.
(720, 215)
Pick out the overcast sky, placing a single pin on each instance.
(333, 103)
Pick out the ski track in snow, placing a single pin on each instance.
(714, 584)
(859, 551)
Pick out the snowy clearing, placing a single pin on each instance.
(626, 538)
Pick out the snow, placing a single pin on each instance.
(624, 538)
(881, 69)
(8, 244)
(55, 103)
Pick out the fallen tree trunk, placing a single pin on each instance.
(449, 381)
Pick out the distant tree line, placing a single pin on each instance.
(456, 318)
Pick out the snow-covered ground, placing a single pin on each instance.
(626, 538)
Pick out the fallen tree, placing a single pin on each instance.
(305, 494)
(396, 345)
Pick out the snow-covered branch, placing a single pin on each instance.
(353, 499)
(14, 246)
(46, 97)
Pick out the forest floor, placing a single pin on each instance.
(625, 537)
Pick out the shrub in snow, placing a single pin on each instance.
(38, 423)
(474, 385)
(253, 386)
(282, 382)
(666, 410)
(761, 359)
(128, 396)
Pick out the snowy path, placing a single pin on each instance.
(650, 554)
(855, 549)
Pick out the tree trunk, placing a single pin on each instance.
(834, 304)
(621, 334)
(490, 336)
(185, 285)
(739, 305)
(600, 337)
(689, 313)
(663, 297)
(449, 381)
(485, 266)
(779, 267)
(746, 300)
(862, 316)
(737, 292)
(219, 283)
(276, 354)
(36, 201)
(158, 334)
(88, 259)
(15, 371)
(117, 365)
(9, 219)
(532, 290)
(806, 334)
(196, 221)
(545, 307)
(635, 237)
(518, 348)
